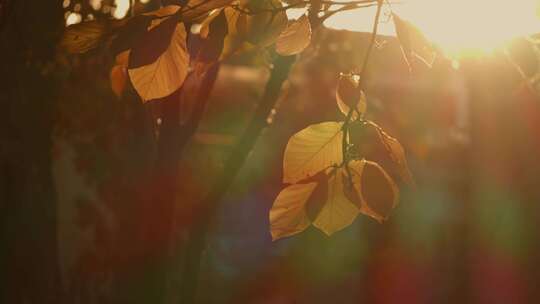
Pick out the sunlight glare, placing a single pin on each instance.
(458, 26)
(122, 8)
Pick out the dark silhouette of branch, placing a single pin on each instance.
(209, 206)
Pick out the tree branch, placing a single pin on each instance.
(209, 206)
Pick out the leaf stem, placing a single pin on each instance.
(363, 74)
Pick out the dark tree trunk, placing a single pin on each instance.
(28, 255)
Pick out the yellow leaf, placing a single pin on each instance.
(374, 190)
(348, 94)
(166, 74)
(288, 216)
(338, 212)
(295, 38)
(312, 150)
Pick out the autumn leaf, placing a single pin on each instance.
(374, 191)
(198, 8)
(213, 32)
(338, 211)
(348, 94)
(288, 216)
(158, 65)
(372, 143)
(83, 37)
(118, 75)
(295, 38)
(312, 150)
(397, 153)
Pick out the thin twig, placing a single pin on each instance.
(361, 81)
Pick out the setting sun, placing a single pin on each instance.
(458, 27)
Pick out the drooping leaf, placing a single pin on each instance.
(263, 26)
(397, 153)
(213, 33)
(374, 191)
(287, 216)
(312, 150)
(295, 38)
(118, 75)
(348, 94)
(118, 78)
(417, 49)
(155, 71)
(373, 144)
(338, 211)
(82, 37)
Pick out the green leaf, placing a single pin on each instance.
(312, 150)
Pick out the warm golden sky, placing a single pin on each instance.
(456, 25)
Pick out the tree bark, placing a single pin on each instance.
(29, 255)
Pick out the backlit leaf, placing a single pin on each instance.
(312, 150)
(295, 38)
(118, 75)
(397, 153)
(348, 94)
(82, 37)
(169, 69)
(288, 216)
(198, 8)
(373, 144)
(338, 211)
(374, 190)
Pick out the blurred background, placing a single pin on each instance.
(470, 127)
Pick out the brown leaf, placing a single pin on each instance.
(82, 37)
(373, 144)
(263, 27)
(348, 94)
(118, 78)
(198, 8)
(375, 192)
(295, 38)
(169, 68)
(213, 33)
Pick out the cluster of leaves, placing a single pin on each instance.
(337, 170)
(156, 51)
